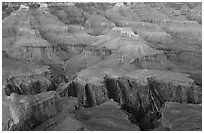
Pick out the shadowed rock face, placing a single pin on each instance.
(141, 92)
(178, 91)
(102, 66)
(28, 85)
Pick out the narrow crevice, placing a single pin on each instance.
(138, 114)
(90, 95)
(113, 89)
(72, 90)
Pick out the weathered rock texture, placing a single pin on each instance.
(141, 55)
(141, 92)
(27, 112)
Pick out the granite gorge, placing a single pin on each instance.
(129, 66)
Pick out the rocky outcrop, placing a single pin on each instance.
(174, 88)
(27, 112)
(25, 78)
(28, 85)
(126, 43)
(133, 53)
(118, 84)
(23, 42)
(106, 117)
(25, 48)
(141, 93)
(63, 120)
(180, 117)
(88, 94)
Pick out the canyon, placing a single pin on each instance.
(131, 66)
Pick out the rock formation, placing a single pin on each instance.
(101, 66)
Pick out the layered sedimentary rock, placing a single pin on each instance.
(174, 88)
(136, 91)
(146, 57)
(62, 121)
(29, 111)
(13, 68)
(28, 85)
(27, 43)
(180, 117)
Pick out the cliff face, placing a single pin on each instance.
(29, 111)
(143, 98)
(102, 66)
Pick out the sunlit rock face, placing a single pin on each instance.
(28, 111)
(74, 66)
